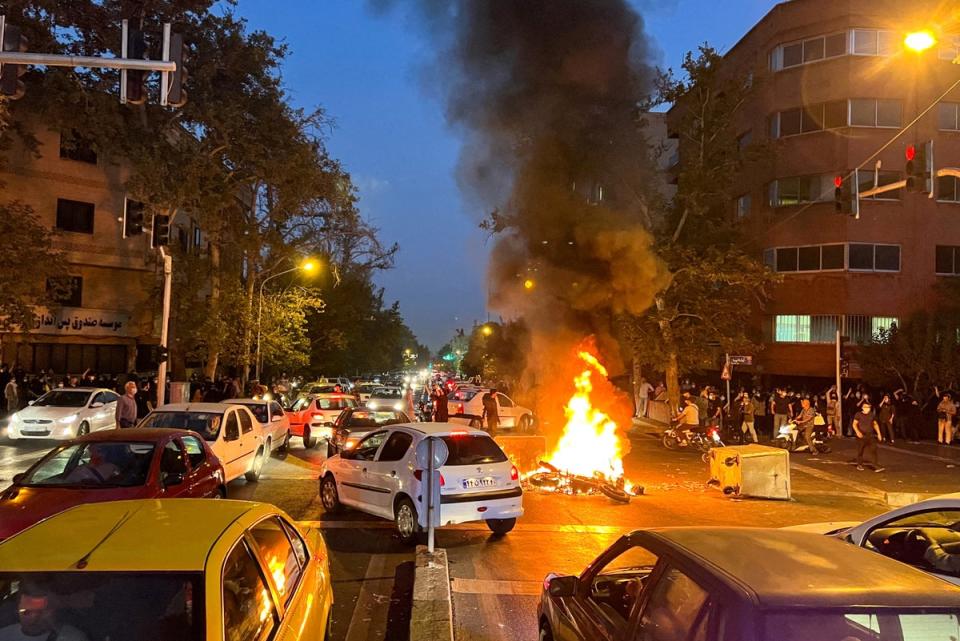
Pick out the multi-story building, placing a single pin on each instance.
(835, 89)
(111, 318)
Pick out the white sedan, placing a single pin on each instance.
(65, 413)
(466, 407)
(273, 421)
(895, 533)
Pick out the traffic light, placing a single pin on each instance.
(176, 95)
(919, 168)
(10, 83)
(161, 230)
(133, 217)
(136, 89)
(844, 201)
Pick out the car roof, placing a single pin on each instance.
(248, 401)
(134, 434)
(126, 536)
(195, 407)
(331, 395)
(440, 429)
(81, 389)
(790, 569)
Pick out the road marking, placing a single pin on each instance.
(471, 527)
(839, 480)
(288, 477)
(492, 586)
(931, 457)
(369, 602)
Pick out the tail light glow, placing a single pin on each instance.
(418, 474)
(514, 473)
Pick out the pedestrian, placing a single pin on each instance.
(868, 434)
(491, 412)
(806, 419)
(946, 410)
(885, 416)
(781, 409)
(143, 400)
(126, 414)
(747, 412)
(703, 406)
(441, 410)
(11, 396)
(644, 390)
(760, 412)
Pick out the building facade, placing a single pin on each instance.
(834, 89)
(111, 320)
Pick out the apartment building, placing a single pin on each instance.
(835, 89)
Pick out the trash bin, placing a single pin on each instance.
(751, 470)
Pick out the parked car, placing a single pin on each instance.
(110, 466)
(355, 423)
(365, 390)
(273, 420)
(231, 431)
(895, 533)
(64, 414)
(708, 584)
(465, 406)
(312, 417)
(380, 476)
(183, 570)
(387, 397)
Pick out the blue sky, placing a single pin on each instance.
(392, 137)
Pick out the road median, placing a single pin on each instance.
(431, 617)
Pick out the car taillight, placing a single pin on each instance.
(461, 409)
(514, 473)
(316, 417)
(418, 474)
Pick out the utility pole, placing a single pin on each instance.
(164, 326)
(839, 406)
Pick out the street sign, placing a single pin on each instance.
(726, 374)
(431, 455)
(741, 360)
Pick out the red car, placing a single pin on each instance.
(312, 417)
(112, 465)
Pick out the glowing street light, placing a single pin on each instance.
(919, 41)
(486, 330)
(529, 284)
(308, 265)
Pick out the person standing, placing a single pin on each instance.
(781, 410)
(747, 410)
(491, 413)
(886, 415)
(11, 395)
(441, 409)
(946, 410)
(643, 395)
(805, 422)
(759, 411)
(411, 406)
(126, 414)
(868, 434)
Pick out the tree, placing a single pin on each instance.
(497, 352)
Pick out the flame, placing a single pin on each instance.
(589, 445)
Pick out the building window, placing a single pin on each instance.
(823, 329)
(807, 51)
(770, 258)
(832, 257)
(743, 206)
(73, 298)
(885, 178)
(948, 116)
(75, 216)
(874, 42)
(882, 323)
(948, 189)
(946, 260)
(949, 48)
(792, 329)
(800, 190)
(869, 112)
(880, 258)
(836, 257)
(787, 259)
(196, 238)
(73, 146)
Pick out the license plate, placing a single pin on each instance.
(469, 484)
(35, 432)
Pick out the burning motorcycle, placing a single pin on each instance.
(678, 437)
(791, 440)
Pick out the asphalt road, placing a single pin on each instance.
(495, 581)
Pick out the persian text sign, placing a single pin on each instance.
(79, 321)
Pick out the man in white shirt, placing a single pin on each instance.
(644, 389)
(38, 619)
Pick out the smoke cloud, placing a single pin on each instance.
(547, 95)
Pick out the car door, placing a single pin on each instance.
(110, 400)
(676, 606)
(232, 454)
(353, 470)
(200, 481)
(507, 411)
(388, 470)
(174, 470)
(98, 415)
(250, 435)
(278, 422)
(248, 604)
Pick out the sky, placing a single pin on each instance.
(391, 135)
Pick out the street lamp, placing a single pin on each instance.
(486, 330)
(308, 266)
(529, 284)
(919, 41)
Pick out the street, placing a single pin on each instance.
(495, 582)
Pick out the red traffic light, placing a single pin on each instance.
(911, 152)
(838, 181)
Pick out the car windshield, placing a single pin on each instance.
(387, 392)
(334, 403)
(362, 419)
(93, 465)
(63, 398)
(464, 394)
(472, 449)
(94, 606)
(259, 410)
(863, 625)
(206, 424)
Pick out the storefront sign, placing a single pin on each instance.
(78, 321)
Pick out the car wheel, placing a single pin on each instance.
(545, 633)
(329, 496)
(501, 526)
(526, 424)
(308, 440)
(253, 474)
(406, 521)
(285, 443)
(221, 492)
(83, 429)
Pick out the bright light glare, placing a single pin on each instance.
(309, 266)
(487, 330)
(528, 284)
(919, 40)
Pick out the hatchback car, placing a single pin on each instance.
(274, 422)
(709, 584)
(355, 423)
(111, 466)
(183, 570)
(231, 431)
(65, 414)
(380, 476)
(312, 417)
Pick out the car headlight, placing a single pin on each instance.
(398, 407)
(351, 443)
(372, 405)
(785, 429)
(68, 419)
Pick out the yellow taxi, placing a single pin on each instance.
(166, 570)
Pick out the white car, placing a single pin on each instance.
(231, 431)
(65, 413)
(387, 398)
(380, 476)
(465, 406)
(893, 533)
(273, 421)
(365, 390)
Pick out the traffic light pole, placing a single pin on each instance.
(164, 327)
(838, 408)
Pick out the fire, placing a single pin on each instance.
(590, 445)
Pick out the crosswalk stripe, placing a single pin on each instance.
(492, 586)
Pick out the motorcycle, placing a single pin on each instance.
(791, 440)
(677, 437)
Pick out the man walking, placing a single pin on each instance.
(491, 411)
(643, 395)
(781, 410)
(868, 434)
(747, 410)
(11, 396)
(126, 414)
(946, 410)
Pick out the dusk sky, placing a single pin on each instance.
(392, 137)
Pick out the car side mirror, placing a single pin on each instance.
(172, 478)
(563, 586)
(96, 405)
(18, 478)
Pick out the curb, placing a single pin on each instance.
(431, 617)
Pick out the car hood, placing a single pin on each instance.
(47, 412)
(21, 507)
